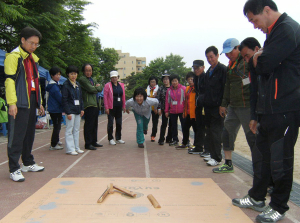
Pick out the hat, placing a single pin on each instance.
(114, 74)
(229, 44)
(198, 63)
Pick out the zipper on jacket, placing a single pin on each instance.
(276, 88)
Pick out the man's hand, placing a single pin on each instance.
(253, 126)
(155, 111)
(97, 85)
(124, 110)
(256, 55)
(127, 110)
(69, 117)
(81, 113)
(41, 111)
(107, 111)
(13, 110)
(222, 111)
(159, 112)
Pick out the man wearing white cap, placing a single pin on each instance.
(235, 103)
(114, 103)
(90, 88)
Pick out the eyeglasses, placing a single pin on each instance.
(33, 44)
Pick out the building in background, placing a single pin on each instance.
(128, 64)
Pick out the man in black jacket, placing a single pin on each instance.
(215, 79)
(278, 109)
(199, 80)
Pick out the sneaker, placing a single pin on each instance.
(60, 143)
(112, 142)
(79, 151)
(17, 176)
(174, 143)
(212, 162)
(145, 132)
(207, 159)
(270, 190)
(32, 168)
(181, 146)
(195, 151)
(141, 146)
(120, 141)
(57, 147)
(269, 215)
(205, 154)
(168, 140)
(192, 147)
(73, 153)
(152, 138)
(248, 202)
(161, 143)
(224, 169)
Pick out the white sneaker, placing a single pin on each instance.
(57, 147)
(17, 176)
(60, 143)
(207, 159)
(32, 168)
(79, 151)
(112, 142)
(120, 141)
(212, 162)
(73, 153)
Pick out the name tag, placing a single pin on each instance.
(174, 102)
(32, 84)
(246, 81)
(76, 102)
(119, 99)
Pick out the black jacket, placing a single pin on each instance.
(214, 86)
(253, 90)
(69, 95)
(199, 82)
(278, 69)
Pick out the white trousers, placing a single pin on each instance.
(72, 133)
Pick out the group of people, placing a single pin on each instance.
(259, 90)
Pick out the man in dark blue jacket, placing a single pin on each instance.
(277, 66)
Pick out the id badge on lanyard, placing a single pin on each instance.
(76, 102)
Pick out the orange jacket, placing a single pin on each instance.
(191, 101)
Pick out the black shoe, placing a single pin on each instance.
(168, 140)
(174, 143)
(141, 146)
(145, 132)
(161, 143)
(97, 145)
(195, 151)
(90, 147)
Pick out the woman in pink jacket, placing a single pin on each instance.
(114, 103)
(174, 106)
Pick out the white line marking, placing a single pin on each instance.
(147, 169)
(73, 164)
(239, 179)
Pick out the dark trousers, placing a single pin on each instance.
(163, 127)
(21, 133)
(56, 120)
(200, 133)
(154, 123)
(214, 124)
(90, 129)
(273, 156)
(188, 123)
(115, 113)
(173, 119)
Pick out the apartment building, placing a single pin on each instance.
(128, 64)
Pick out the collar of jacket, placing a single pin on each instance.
(279, 20)
(24, 54)
(178, 87)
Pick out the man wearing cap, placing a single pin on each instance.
(90, 88)
(199, 81)
(236, 102)
(214, 88)
(277, 66)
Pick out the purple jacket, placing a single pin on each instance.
(175, 100)
(109, 97)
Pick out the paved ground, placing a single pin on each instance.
(117, 161)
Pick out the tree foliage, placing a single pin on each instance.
(172, 64)
(66, 39)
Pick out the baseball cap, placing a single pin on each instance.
(114, 73)
(229, 44)
(198, 63)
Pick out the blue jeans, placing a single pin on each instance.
(142, 124)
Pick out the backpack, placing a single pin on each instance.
(3, 111)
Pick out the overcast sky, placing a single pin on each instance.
(157, 28)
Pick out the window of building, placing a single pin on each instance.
(124, 62)
(143, 62)
(132, 68)
(139, 62)
(132, 62)
(138, 68)
(124, 68)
